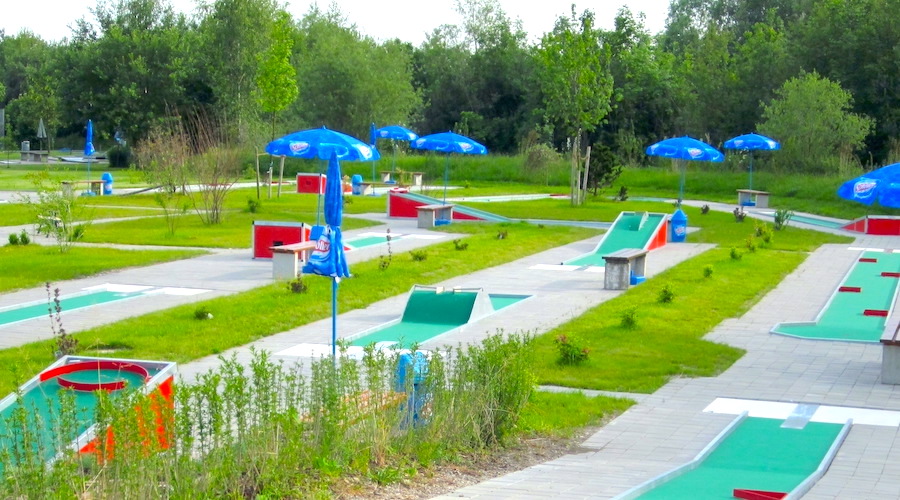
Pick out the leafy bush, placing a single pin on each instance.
(202, 313)
(708, 271)
(623, 194)
(460, 245)
(704, 210)
(24, 239)
(739, 214)
(750, 243)
(571, 350)
(119, 156)
(736, 254)
(13, 239)
(629, 318)
(253, 205)
(665, 295)
(782, 216)
(418, 255)
(297, 285)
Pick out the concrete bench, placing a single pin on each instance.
(40, 156)
(620, 265)
(95, 187)
(416, 178)
(890, 354)
(433, 215)
(753, 198)
(286, 259)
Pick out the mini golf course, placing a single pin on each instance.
(753, 458)
(859, 308)
(33, 414)
(433, 311)
(630, 230)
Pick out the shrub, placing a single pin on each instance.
(739, 214)
(418, 255)
(460, 245)
(665, 295)
(750, 243)
(502, 235)
(623, 194)
(782, 216)
(704, 210)
(119, 156)
(629, 318)
(202, 313)
(13, 239)
(253, 205)
(297, 285)
(708, 271)
(571, 351)
(24, 239)
(736, 254)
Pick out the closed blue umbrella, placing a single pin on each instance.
(328, 258)
(881, 185)
(448, 142)
(750, 143)
(685, 148)
(395, 133)
(321, 143)
(89, 151)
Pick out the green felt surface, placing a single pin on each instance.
(758, 455)
(844, 319)
(14, 314)
(430, 314)
(626, 233)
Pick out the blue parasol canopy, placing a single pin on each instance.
(321, 143)
(448, 142)
(752, 142)
(685, 148)
(396, 133)
(881, 185)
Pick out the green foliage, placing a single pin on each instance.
(418, 255)
(628, 318)
(64, 344)
(735, 254)
(704, 209)
(460, 245)
(564, 414)
(708, 272)
(13, 239)
(24, 239)
(623, 194)
(297, 285)
(119, 156)
(750, 244)
(253, 205)
(811, 117)
(605, 168)
(570, 349)
(666, 294)
(739, 214)
(202, 313)
(782, 217)
(277, 78)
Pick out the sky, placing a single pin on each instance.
(408, 20)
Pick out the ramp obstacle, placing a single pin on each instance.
(403, 204)
(640, 230)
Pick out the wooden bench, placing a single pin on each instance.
(434, 215)
(753, 198)
(415, 178)
(890, 354)
(621, 264)
(286, 259)
(95, 187)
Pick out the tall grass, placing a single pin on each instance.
(271, 429)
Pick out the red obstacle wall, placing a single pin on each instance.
(875, 224)
(661, 237)
(401, 206)
(311, 183)
(270, 234)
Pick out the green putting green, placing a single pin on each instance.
(31, 311)
(627, 232)
(758, 455)
(429, 314)
(844, 317)
(368, 241)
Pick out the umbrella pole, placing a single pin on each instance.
(334, 291)
(394, 155)
(751, 170)
(446, 176)
(680, 163)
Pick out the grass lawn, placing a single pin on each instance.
(33, 265)
(17, 214)
(239, 319)
(563, 414)
(15, 177)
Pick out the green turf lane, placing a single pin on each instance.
(844, 318)
(758, 455)
(22, 313)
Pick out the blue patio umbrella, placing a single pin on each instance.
(89, 151)
(322, 143)
(448, 142)
(681, 149)
(328, 258)
(881, 185)
(395, 133)
(750, 143)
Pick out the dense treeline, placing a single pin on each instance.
(823, 77)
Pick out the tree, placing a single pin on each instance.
(811, 117)
(575, 82)
(277, 79)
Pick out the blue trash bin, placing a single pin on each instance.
(107, 179)
(412, 368)
(679, 226)
(356, 182)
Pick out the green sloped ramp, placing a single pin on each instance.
(627, 232)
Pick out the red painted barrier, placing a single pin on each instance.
(875, 312)
(868, 259)
(887, 274)
(758, 494)
(850, 289)
(311, 183)
(272, 234)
